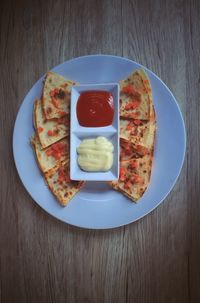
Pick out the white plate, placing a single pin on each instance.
(98, 206)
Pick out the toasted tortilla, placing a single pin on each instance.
(128, 150)
(51, 156)
(60, 184)
(137, 136)
(56, 95)
(49, 131)
(134, 96)
(141, 135)
(134, 177)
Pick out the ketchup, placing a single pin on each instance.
(95, 108)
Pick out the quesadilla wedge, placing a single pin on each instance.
(140, 133)
(51, 156)
(56, 95)
(49, 131)
(134, 97)
(134, 177)
(60, 184)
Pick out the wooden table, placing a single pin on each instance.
(156, 259)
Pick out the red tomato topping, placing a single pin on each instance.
(137, 179)
(127, 149)
(134, 115)
(55, 102)
(122, 174)
(40, 129)
(63, 176)
(63, 120)
(53, 92)
(61, 113)
(51, 133)
(133, 104)
(130, 90)
(127, 185)
(129, 126)
(137, 122)
(57, 150)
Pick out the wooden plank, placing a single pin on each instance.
(153, 260)
(157, 254)
(192, 48)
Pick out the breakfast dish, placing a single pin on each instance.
(137, 133)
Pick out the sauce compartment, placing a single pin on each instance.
(79, 133)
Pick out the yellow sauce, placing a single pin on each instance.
(95, 154)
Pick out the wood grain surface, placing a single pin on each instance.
(156, 259)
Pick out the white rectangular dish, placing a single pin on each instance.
(78, 133)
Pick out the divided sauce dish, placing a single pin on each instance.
(78, 133)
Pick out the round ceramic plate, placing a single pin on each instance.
(97, 205)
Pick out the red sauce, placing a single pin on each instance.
(95, 108)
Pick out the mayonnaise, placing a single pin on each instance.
(95, 154)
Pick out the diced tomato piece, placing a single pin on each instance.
(40, 129)
(127, 185)
(51, 133)
(67, 179)
(134, 115)
(49, 152)
(129, 126)
(53, 92)
(55, 102)
(130, 90)
(61, 113)
(128, 151)
(64, 120)
(137, 179)
(57, 150)
(63, 176)
(57, 155)
(57, 146)
(137, 122)
(133, 104)
(122, 173)
(127, 146)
